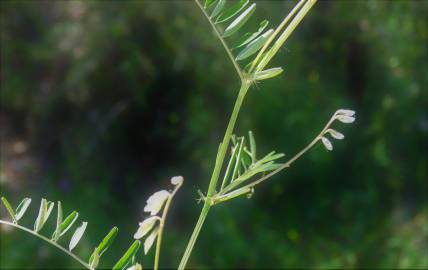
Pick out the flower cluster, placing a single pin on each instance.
(152, 225)
(344, 116)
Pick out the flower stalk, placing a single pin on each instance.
(162, 222)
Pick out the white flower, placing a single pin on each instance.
(156, 201)
(145, 226)
(345, 112)
(345, 116)
(345, 119)
(335, 134)
(177, 180)
(327, 143)
(150, 240)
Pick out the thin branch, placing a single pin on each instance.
(285, 165)
(223, 42)
(162, 224)
(49, 241)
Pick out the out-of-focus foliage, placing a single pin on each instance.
(103, 101)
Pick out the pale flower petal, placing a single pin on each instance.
(345, 119)
(145, 227)
(345, 112)
(156, 201)
(150, 240)
(327, 143)
(336, 134)
(177, 180)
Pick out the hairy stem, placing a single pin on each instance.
(48, 241)
(216, 172)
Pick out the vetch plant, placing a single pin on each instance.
(159, 202)
(238, 166)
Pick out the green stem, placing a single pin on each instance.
(284, 36)
(277, 30)
(47, 240)
(194, 236)
(216, 172)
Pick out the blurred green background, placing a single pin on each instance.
(103, 101)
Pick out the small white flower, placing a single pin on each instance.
(345, 112)
(327, 143)
(156, 201)
(345, 119)
(177, 180)
(145, 227)
(335, 134)
(150, 240)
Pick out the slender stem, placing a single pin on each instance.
(216, 172)
(226, 139)
(245, 84)
(284, 36)
(228, 168)
(47, 240)
(195, 235)
(161, 226)
(277, 30)
(285, 165)
(223, 42)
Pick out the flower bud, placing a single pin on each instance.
(327, 143)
